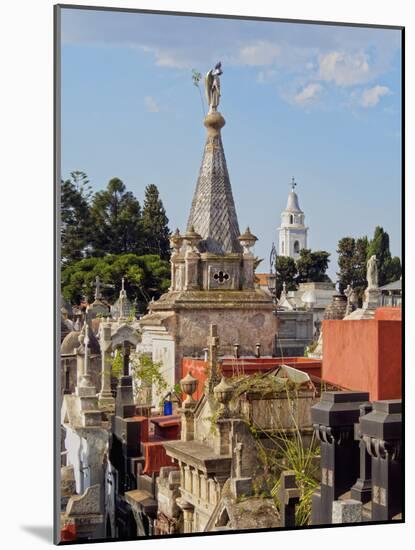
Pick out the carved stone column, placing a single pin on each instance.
(188, 513)
(105, 397)
(382, 433)
(333, 420)
(362, 489)
(192, 259)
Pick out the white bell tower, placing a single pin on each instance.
(292, 232)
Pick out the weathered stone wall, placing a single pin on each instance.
(245, 327)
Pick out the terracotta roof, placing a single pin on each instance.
(262, 278)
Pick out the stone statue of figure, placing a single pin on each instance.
(372, 273)
(351, 299)
(212, 86)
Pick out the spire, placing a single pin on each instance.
(213, 213)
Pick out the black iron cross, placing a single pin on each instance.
(221, 277)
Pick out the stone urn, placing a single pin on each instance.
(189, 386)
(223, 394)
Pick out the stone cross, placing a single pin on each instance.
(98, 286)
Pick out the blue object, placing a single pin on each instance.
(168, 408)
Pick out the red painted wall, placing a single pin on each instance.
(364, 355)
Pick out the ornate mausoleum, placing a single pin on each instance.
(212, 270)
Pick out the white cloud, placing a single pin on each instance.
(259, 53)
(267, 75)
(371, 96)
(344, 69)
(309, 94)
(151, 104)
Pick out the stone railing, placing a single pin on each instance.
(361, 466)
(361, 462)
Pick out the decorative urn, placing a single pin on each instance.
(189, 386)
(223, 394)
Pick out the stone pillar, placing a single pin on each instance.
(382, 433)
(188, 513)
(176, 241)
(105, 397)
(333, 420)
(247, 241)
(289, 498)
(188, 385)
(362, 489)
(191, 260)
(213, 345)
(222, 437)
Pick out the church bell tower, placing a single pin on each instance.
(292, 232)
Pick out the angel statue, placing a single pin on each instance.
(212, 86)
(372, 272)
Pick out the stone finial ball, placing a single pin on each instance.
(214, 121)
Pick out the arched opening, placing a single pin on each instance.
(297, 247)
(291, 219)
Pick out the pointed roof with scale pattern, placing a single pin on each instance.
(213, 213)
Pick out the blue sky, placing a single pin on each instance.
(320, 103)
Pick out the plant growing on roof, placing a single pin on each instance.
(283, 448)
(147, 374)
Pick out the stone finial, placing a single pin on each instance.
(247, 240)
(189, 386)
(176, 240)
(223, 394)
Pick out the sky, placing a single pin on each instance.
(320, 103)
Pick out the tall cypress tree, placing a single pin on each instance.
(346, 249)
(389, 269)
(155, 224)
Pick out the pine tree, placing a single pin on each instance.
(155, 224)
(75, 217)
(116, 215)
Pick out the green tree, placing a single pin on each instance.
(155, 224)
(116, 215)
(346, 252)
(312, 266)
(389, 269)
(145, 277)
(75, 217)
(286, 272)
(359, 282)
